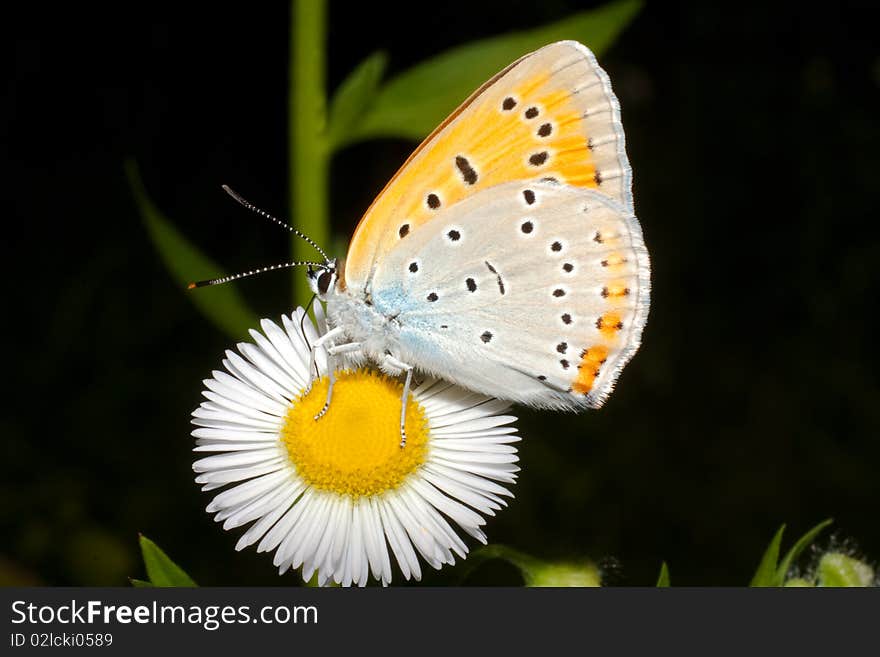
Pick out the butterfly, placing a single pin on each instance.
(504, 255)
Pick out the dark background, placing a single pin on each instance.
(753, 134)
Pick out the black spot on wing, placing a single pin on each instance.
(495, 271)
(467, 171)
(538, 159)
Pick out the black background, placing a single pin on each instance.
(753, 134)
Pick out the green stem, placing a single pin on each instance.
(309, 155)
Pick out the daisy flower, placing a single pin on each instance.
(339, 496)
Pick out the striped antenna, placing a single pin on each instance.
(245, 274)
(253, 208)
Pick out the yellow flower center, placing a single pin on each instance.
(355, 448)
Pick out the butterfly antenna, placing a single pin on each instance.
(253, 272)
(253, 208)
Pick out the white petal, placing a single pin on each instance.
(281, 529)
(210, 433)
(295, 374)
(209, 411)
(371, 542)
(235, 459)
(268, 367)
(481, 484)
(242, 408)
(261, 506)
(406, 557)
(463, 462)
(375, 523)
(486, 409)
(478, 445)
(355, 548)
(444, 535)
(322, 553)
(242, 369)
(418, 533)
(455, 510)
(259, 528)
(501, 434)
(298, 534)
(240, 474)
(477, 500)
(227, 385)
(298, 361)
(247, 491)
(475, 425)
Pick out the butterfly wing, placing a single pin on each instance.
(531, 291)
(550, 114)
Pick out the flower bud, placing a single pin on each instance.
(838, 569)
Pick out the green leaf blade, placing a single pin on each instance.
(802, 543)
(353, 98)
(161, 570)
(414, 102)
(663, 579)
(221, 304)
(765, 575)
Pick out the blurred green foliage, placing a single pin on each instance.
(222, 304)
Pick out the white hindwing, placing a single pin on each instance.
(535, 292)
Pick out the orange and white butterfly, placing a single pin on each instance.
(504, 256)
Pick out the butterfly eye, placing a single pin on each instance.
(324, 282)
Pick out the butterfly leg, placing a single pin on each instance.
(333, 351)
(392, 362)
(313, 351)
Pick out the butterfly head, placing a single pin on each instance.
(323, 280)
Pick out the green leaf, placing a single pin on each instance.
(414, 102)
(222, 304)
(802, 544)
(663, 579)
(140, 583)
(160, 569)
(766, 573)
(353, 97)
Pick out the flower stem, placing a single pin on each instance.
(308, 153)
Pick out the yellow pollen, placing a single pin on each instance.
(355, 448)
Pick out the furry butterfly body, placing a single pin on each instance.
(504, 255)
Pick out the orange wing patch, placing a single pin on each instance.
(592, 360)
(550, 115)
